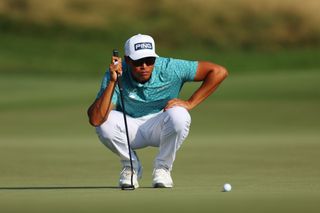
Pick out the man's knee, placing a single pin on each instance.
(110, 130)
(179, 118)
(105, 131)
(109, 134)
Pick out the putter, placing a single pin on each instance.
(119, 81)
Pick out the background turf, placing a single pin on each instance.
(259, 132)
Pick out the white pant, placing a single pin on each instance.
(166, 130)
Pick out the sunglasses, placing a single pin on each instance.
(148, 61)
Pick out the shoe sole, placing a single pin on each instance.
(161, 185)
(128, 186)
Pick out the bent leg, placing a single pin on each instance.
(112, 134)
(174, 129)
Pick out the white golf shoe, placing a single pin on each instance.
(125, 177)
(162, 178)
(125, 174)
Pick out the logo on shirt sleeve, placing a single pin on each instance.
(143, 45)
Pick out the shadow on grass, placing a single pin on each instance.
(57, 187)
(63, 187)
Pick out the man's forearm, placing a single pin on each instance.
(209, 85)
(98, 112)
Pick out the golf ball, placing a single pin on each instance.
(227, 187)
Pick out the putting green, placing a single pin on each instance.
(259, 132)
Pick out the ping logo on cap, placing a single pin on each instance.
(143, 45)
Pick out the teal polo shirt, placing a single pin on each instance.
(167, 79)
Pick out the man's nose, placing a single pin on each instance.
(144, 65)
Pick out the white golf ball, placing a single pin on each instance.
(227, 187)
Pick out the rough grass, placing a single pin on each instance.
(249, 24)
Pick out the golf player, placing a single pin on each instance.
(156, 117)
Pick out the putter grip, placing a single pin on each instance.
(115, 52)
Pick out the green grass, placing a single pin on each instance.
(70, 57)
(260, 132)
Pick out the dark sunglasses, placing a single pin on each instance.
(148, 61)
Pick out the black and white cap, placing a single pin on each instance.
(140, 46)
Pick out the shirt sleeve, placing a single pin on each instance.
(104, 84)
(185, 69)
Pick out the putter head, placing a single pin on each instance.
(128, 187)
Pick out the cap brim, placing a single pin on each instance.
(142, 55)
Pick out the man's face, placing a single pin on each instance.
(142, 68)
